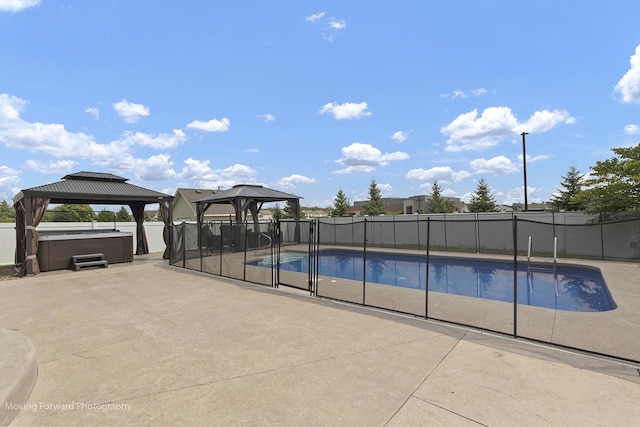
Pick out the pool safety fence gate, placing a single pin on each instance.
(287, 253)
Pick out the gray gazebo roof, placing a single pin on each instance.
(244, 198)
(254, 192)
(96, 187)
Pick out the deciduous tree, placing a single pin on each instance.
(70, 213)
(614, 184)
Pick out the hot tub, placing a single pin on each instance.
(55, 248)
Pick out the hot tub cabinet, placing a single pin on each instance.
(55, 249)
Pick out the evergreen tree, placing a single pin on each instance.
(7, 212)
(565, 199)
(482, 200)
(613, 185)
(340, 204)
(106, 216)
(438, 204)
(289, 211)
(277, 213)
(123, 215)
(375, 204)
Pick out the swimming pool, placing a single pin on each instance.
(570, 288)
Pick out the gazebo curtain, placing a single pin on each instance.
(21, 235)
(38, 208)
(166, 236)
(142, 247)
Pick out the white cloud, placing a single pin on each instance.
(629, 84)
(447, 192)
(291, 181)
(355, 170)
(252, 150)
(516, 195)
(212, 125)
(10, 108)
(443, 174)
(57, 167)
(161, 141)
(542, 121)
(632, 129)
(400, 136)
(17, 5)
(385, 188)
(337, 24)
(205, 177)
(54, 140)
(348, 110)
(195, 169)
(9, 179)
(155, 168)
(458, 93)
(315, 17)
(533, 159)
(266, 117)
(359, 157)
(470, 132)
(496, 166)
(330, 25)
(94, 111)
(129, 111)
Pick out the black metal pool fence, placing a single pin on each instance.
(253, 252)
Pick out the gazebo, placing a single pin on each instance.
(248, 198)
(83, 187)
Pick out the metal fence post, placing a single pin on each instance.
(184, 246)
(364, 263)
(515, 276)
(477, 224)
(426, 287)
(310, 250)
(602, 240)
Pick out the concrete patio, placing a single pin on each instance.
(148, 344)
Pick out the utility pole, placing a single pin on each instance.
(524, 169)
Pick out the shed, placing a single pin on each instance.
(83, 187)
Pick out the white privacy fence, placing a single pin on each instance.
(8, 234)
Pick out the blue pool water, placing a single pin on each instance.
(570, 288)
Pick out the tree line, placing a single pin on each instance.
(70, 213)
(611, 188)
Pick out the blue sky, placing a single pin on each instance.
(311, 97)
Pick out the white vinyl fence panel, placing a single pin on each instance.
(8, 234)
